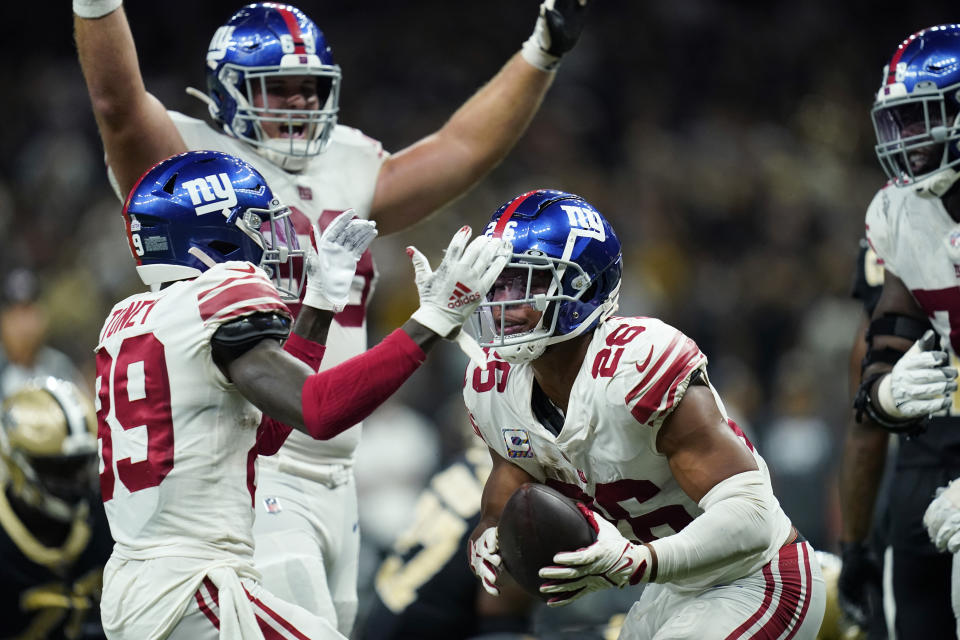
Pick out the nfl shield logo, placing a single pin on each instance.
(272, 505)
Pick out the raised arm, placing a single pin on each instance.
(324, 404)
(418, 180)
(136, 130)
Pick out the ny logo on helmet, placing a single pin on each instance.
(218, 45)
(215, 191)
(587, 221)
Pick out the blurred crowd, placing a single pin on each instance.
(730, 146)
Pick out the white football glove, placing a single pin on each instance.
(920, 383)
(485, 560)
(451, 293)
(942, 518)
(611, 561)
(557, 29)
(332, 260)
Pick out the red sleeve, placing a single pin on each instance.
(272, 434)
(338, 398)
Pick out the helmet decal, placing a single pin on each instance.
(260, 45)
(916, 113)
(566, 265)
(200, 208)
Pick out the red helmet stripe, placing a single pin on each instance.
(294, 28)
(892, 68)
(505, 218)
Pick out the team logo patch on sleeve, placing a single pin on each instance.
(518, 443)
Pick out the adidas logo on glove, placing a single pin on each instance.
(462, 294)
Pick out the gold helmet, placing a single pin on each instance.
(835, 626)
(48, 446)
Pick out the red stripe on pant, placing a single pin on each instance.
(268, 631)
(804, 552)
(792, 603)
(264, 615)
(201, 603)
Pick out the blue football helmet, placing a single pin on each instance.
(200, 208)
(916, 112)
(566, 263)
(263, 41)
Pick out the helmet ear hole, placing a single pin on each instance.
(222, 247)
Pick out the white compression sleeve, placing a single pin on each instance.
(741, 518)
(95, 8)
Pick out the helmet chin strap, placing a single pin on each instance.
(937, 185)
(204, 98)
(283, 160)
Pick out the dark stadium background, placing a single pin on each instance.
(729, 143)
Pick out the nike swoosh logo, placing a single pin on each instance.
(248, 269)
(641, 367)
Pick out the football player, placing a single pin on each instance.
(920, 575)
(913, 224)
(54, 538)
(185, 370)
(619, 414)
(273, 95)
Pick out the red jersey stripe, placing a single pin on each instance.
(241, 299)
(684, 361)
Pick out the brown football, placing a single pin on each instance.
(538, 522)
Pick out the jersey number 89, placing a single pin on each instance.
(137, 384)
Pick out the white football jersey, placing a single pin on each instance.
(343, 177)
(177, 440)
(917, 240)
(634, 374)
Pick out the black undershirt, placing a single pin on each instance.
(545, 411)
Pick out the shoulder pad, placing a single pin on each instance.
(232, 339)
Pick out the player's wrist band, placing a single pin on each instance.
(95, 8)
(864, 405)
(537, 57)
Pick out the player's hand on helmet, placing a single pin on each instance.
(942, 518)
(557, 29)
(611, 561)
(859, 586)
(331, 261)
(453, 291)
(485, 560)
(920, 383)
